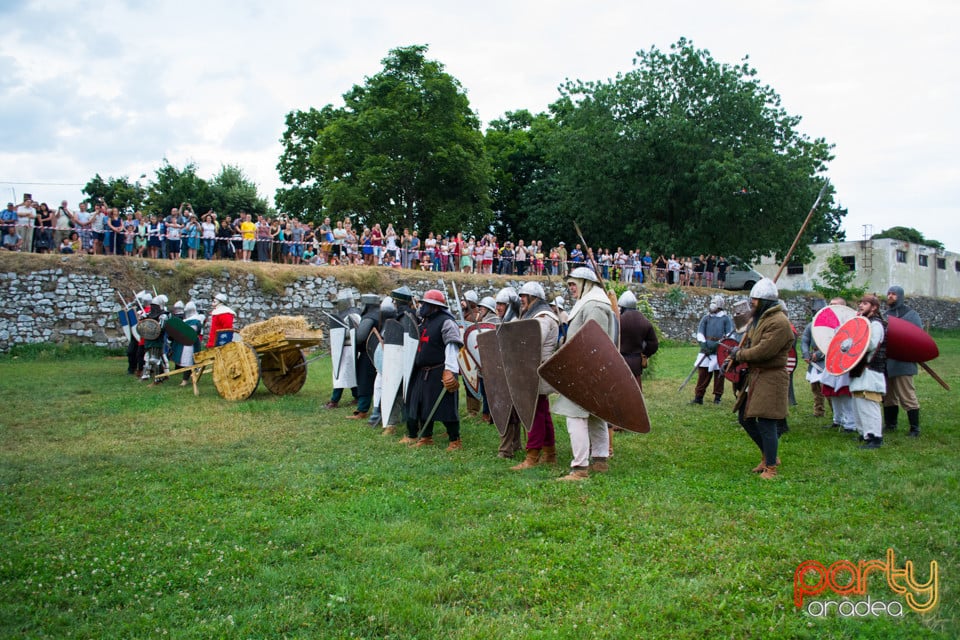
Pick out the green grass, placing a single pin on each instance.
(130, 511)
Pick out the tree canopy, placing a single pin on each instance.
(681, 154)
(908, 234)
(229, 192)
(404, 148)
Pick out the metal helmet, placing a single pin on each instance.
(435, 297)
(344, 299)
(534, 289)
(558, 302)
(221, 298)
(584, 273)
(387, 308)
(144, 297)
(471, 296)
(190, 309)
(403, 294)
(506, 295)
(627, 300)
(178, 305)
(489, 303)
(369, 298)
(718, 301)
(765, 289)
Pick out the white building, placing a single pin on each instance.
(879, 264)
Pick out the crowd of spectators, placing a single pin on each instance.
(184, 234)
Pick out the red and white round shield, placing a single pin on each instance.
(849, 345)
(827, 321)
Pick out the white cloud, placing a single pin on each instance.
(115, 87)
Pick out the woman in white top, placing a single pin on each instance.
(208, 233)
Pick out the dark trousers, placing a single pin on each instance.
(338, 393)
(416, 430)
(763, 432)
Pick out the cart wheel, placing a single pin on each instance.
(236, 371)
(284, 372)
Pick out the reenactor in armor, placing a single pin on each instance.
(434, 390)
(343, 328)
(366, 370)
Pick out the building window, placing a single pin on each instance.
(942, 263)
(795, 269)
(956, 265)
(851, 262)
(901, 255)
(922, 259)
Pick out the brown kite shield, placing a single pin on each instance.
(589, 370)
(520, 351)
(494, 380)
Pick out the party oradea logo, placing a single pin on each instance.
(846, 579)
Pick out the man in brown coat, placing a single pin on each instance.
(763, 403)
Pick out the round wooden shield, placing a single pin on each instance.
(236, 371)
(907, 342)
(734, 373)
(848, 346)
(283, 372)
(149, 329)
(827, 321)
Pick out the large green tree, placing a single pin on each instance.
(230, 192)
(681, 154)
(303, 195)
(116, 192)
(404, 148)
(515, 151)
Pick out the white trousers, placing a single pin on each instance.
(843, 413)
(586, 435)
(869, 422)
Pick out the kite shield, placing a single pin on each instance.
(520, 350)
(495, 380)
(589, 370)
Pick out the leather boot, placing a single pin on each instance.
(548, 455)
(455, 445)
(599, 465)
(872, 442)
(769, 473)
(760, 467)
(388, 431)
(407, 440)
(913, 415)
(890, 417)
(697, 400)
(331, 405)
(575, 475)
(532, 460)
(358, 415)
(423, 442)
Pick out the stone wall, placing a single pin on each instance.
(57, 305)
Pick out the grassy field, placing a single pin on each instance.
(130, 511)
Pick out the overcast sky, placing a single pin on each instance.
(114, 87)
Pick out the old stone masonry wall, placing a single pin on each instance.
(55, 305)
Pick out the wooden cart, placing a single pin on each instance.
(237, 367)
